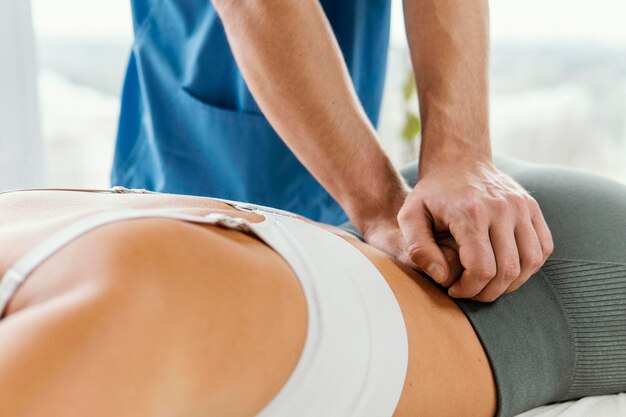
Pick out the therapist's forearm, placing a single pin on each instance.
(449, 42)
(293, 66)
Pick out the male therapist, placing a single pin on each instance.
(275, 101)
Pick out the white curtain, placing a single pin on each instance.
(21, 150)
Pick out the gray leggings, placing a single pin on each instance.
(562, 335)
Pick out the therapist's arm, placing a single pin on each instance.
(502, 236)
(292, 64)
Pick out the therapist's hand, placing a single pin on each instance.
(387, 236)
(501, 234)
(383, 232)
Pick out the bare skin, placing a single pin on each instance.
(292, 63)
(159, 317)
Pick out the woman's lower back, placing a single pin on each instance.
(448, 372)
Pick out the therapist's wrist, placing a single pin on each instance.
(377, 204)
(439, 151)
(377, 221)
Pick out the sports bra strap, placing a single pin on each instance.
(16, 275)
(116, 190)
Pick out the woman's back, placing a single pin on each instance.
(448, 371)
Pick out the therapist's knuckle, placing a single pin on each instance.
(484, 272)
(500, 205)
(517, 201)
(416, 248)
(532, 204)
(473, 210)
(509, 270)
(417, 252)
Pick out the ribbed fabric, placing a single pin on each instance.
(593, 295)
(529, 345)
(561, 336)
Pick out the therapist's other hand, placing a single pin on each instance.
(379, 226)
(386, 236)
(501, 234)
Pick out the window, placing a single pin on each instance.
(83, 47)
(558, 83)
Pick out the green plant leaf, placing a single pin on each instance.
(412, 127)
(408, 86)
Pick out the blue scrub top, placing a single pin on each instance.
(189, 124)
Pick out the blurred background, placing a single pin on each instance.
(558, 87)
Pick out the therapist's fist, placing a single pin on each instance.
(501, 235)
